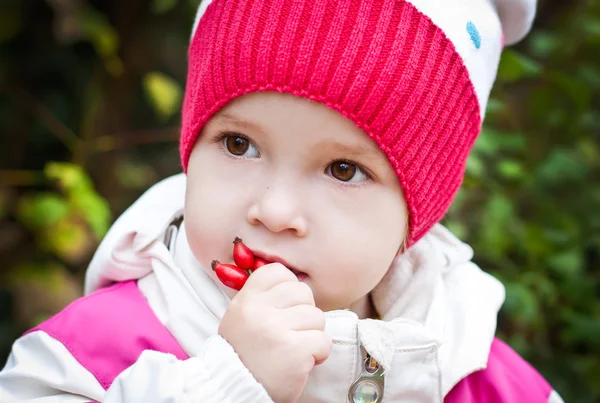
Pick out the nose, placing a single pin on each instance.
(279, 209)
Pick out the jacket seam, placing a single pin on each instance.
(69, 348)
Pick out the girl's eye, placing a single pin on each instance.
(240, 146)
(347, 172)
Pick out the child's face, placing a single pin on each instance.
(296, 180)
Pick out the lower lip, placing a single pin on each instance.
(300, 276)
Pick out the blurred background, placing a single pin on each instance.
(90, 94)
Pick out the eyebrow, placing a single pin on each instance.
(244, 124)
(352, 150)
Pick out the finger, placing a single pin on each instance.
(318, 343)
(304, 317)
(289, 293)
(269, 276)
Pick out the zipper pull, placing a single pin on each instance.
(368, 387)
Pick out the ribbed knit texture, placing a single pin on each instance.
(381, 63)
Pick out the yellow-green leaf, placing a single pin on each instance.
(41, 210)
(69, 239)
(163, 93)
(69, 176)
(99, 31)
(94, 209)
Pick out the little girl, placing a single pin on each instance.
(331, 136)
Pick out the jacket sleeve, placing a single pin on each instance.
(41, 369)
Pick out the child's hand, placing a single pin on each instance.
(277, 331)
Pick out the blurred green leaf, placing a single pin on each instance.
(69, 239)
(578, 91)
(521, 303)
(515, 66)
(582, 329)
(475, 166)
(535, 241)
(511, 169)
(590, 74)
(560, 166)
(567, 263)
(70, 177)
(543, 287)
(29, 272)
(591, 25)
(457, 228)
(485, 143)
(134, 175)
(81, 195)
(42, 210)
(162, 6)
(495, 106)
(495, 223)
(94, 209)
(100, 32)
(104, 37)
(163, 93)
(543, 43)
(511, 142)
(491, 141)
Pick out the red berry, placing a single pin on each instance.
(258, 263)
(230, 275)
(242, 255)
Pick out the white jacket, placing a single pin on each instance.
(438, 314)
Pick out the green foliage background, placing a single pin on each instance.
(89, 100)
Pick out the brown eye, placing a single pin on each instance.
(237, 145)
(343, 171)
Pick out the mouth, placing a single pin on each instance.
(301, 276)
(276, 259)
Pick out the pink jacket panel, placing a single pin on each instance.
(107, 331)
(507, 378)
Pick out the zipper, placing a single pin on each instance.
(171, 234)
(369, 386)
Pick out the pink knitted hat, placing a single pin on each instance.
(414, 75)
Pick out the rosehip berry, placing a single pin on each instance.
(230, 275)
(259, 262)
(242, 255)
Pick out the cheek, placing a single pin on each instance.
(215, 207)
(360, 250)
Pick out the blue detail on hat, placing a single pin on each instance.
(474, 33)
